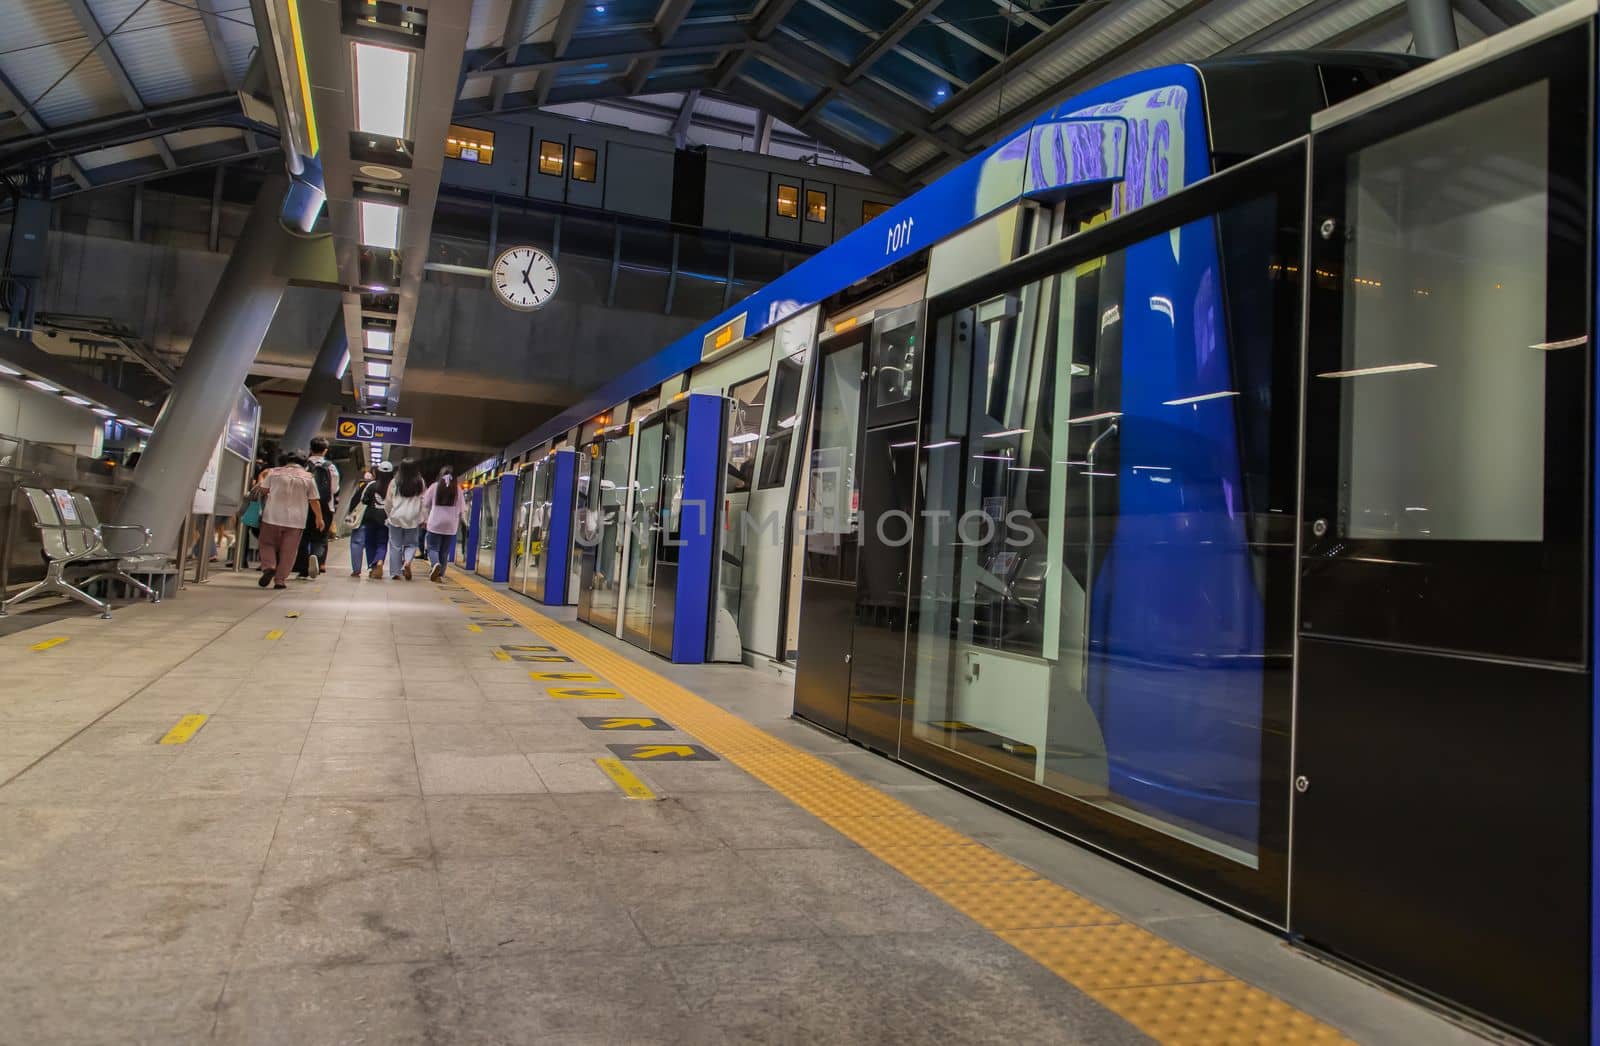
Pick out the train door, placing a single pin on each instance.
(857, 529)
(604, 585)
(1442, 731)
(644, 525)
(669, 518)
(586, 526)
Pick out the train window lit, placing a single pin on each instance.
(788, 201)
(585, 162)
(870, 209)
(469, 144)
(552, 158)
(816, 206)
(744, 431)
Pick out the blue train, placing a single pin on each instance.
(1132, 476)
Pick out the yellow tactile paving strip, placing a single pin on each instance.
(1167, 992)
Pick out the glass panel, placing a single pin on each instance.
(584, 164)
(646, 523)
(832, 502)
(487, 526)
(744, 431)
(816, 206)
(552, 157)
(612, 510)
(671, 495)
(522, 533)
(871, 209)
(788, 201)
(1104, 603)
(782, 420)
(469, 144)
(1445, 347)
(894, 365)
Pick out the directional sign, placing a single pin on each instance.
(664, 753)
(582, 693)
(547, 659)
(574, 677)
(527, 648)
(622, 722)
(373, 428)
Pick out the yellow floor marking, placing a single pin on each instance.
(580, 693)
(48, 643)
(623, 723)
(185, 729)
(292, 613)
(1165, 991)
(631, 786)
(575, 677)
(474, 628)
(276, 633)
(502, 655)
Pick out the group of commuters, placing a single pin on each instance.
(390, 511)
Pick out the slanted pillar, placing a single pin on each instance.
(322, 389)
(1433, 27)
(207, 386)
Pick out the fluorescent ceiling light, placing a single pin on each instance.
(127, 421)
(1565, 343)
(1021, 468)
(143, 431)
(1102, 416)
(380, 341)
(377, 370)
(42, 386)
(745, 437)
(380, 225)
(993, 457)
(1004, 432)
(105, 413)
(377, 391)
(902, 446)
(9, 371)
(1392, 368)
(383, 90)
(1199, 399)
(78, 400)
(941, 444)
(344, 365)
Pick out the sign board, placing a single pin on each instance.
(243, 423)
(373, 428)
(205, 496)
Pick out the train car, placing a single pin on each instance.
(1203, 472)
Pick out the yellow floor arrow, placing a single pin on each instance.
(656, 751)
(48, 643)
(618, 723)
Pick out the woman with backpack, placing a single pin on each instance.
(446, 504)
(374, 522)
(404, 507)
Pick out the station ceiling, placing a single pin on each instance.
(122, 90)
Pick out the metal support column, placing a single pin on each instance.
(1433, 27)
(208, 383)
(322, 389)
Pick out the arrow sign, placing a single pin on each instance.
(664, 753)
(585, 693)
(617, 722)
(576, 677)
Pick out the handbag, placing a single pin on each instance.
(356, 515)
(251, 516)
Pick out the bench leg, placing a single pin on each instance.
(126, 578)
(54, 583)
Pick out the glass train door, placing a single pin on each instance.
(669, 518)
(639, 586)
(603, 560)
(586, 526)
(534, 521)
(857, 533)
(1442, 731)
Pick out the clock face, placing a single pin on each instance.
(524, 278)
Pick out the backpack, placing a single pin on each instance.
(324, 477)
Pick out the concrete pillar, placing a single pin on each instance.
(219, 358)
(1433, 27)
(322, 389)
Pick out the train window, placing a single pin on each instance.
(469, 144)
(783, 416)
(552, 158)
(585, 163)
(816, 206)
(788, 201)
(744, 431)
(870, 209)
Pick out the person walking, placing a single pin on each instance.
(291, 493)
(404, 506)
(355, 523)
(445, 503)
(313, 554)
(375, 520)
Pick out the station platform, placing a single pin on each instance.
(365, 811)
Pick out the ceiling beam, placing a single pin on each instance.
(771, 15)
(630, 44)
(566, 25)
(669, 19)
(685, 117)
(11, 99)
(890, 38)
(510, 40)
(219, 44)
(639, 74)
(101, 43)
(750, 95)
(219, 110)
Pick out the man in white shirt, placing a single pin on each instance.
(313, 551)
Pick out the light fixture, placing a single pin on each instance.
(77, 401)
(745, 437)
(377, 391)
(104, 413)
(128, 422)
(1391, 368)
(1102, 416)
(9, 371)
(380, 341)
(1024, 468)
(941, 443)
(377, 370)
(344, 365)
(383, 90)
(1199, 399)
(378, 170)
(380, 225)
(992, 457)
(143, 430)
(902, 446)
(1565, 343)
(42, 386)
(1004, 432)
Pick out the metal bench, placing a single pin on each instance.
(72, 536)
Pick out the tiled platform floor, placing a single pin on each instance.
(383, 834)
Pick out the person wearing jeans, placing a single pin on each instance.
(405, 511)
(444, 505)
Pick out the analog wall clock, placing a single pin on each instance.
(524, 278)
